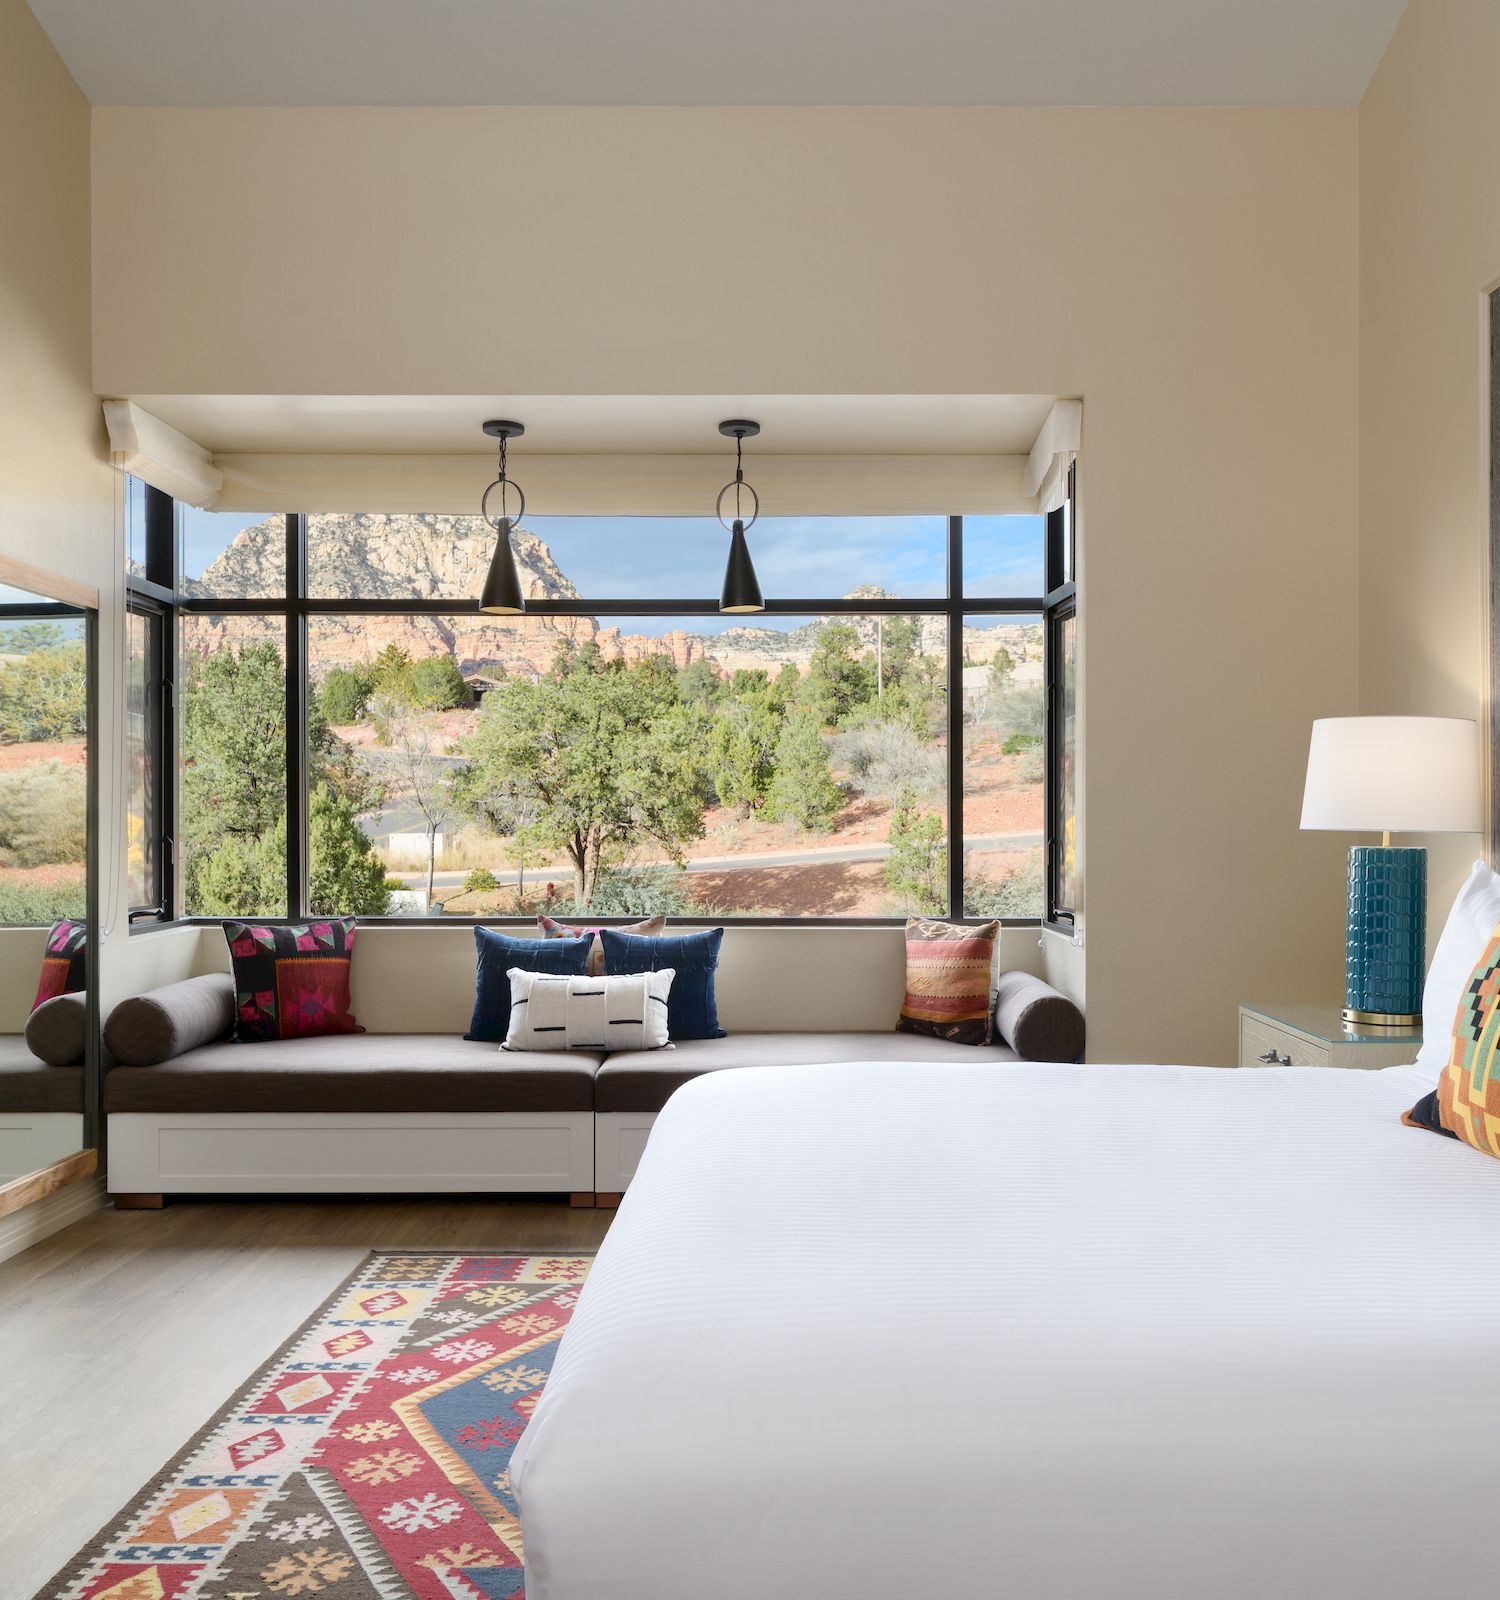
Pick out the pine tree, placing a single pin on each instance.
(916, 870)
(803, 791)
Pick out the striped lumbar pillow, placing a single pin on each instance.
(552, 1012)
(948, 984)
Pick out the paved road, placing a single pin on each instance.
(562, 874)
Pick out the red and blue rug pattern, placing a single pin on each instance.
(369, 1459)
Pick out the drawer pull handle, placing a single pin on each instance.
(1286, 1061)
(1268, 1056)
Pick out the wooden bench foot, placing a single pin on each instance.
(580, 1200)
(138, 1202)
(606, 1202)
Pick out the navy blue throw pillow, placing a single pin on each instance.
(691, 1011)
(498, 953)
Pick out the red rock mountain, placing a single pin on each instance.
(409, 556)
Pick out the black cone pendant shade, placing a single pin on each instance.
(502, 595)
(741, 588)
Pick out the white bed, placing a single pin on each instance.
(1041, 1333)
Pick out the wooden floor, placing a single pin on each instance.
(123, 1334)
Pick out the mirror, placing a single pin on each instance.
(49, 958)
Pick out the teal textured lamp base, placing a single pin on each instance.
(1386, 953)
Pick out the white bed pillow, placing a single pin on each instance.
(1467, 931)
(567, 1012)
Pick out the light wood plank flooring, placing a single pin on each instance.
(120, 1336)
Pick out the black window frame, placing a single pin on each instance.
(1060, 607)
(162, 584)
(152, 593)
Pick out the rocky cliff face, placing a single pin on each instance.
(408, 556)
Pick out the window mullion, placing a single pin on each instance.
(296, 718)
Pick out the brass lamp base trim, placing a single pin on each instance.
(1383, 1019)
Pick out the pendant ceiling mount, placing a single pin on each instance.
(502, 595)
(741, 587)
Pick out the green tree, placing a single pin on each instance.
(742, 748)
(390, 672)
(916, 869)
(436, 684)
(344, 694)
(234, 795)
(802, 790)
(345, 878)
(43, 695)
(1002, 665)
(699, 684)
(837, 680)
(600, 755)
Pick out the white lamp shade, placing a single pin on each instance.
(1393, 775)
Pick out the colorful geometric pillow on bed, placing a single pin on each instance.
(291, 982)
(64, 959)
(1466, 1103)
(948, 985)
(562, 930)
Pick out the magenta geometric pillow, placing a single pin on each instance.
(291, 982)
(63, 961)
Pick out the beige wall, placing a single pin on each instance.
(1429, 251)
(56, 490)
(1191, 274)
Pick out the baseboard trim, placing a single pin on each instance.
(50, 1215)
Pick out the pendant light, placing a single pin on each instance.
(741, 589)
(502, 595)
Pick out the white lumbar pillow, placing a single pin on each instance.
(555, 1012)
(1467, 931)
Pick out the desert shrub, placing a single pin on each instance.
(480, 881)
(1022, 893)
(887, 757)
(638, 892)
(1019, 742)
(43, 815)
(40, 904)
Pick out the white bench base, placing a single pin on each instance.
(619, 1143)
(425, 1152)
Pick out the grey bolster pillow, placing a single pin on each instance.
(154, 1027)
(1037, 1022)
(55, 1031)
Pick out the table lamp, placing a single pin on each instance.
(1390, 775)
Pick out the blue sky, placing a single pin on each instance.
(796, 557)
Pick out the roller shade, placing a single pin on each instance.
(146, 448)
(637, 485)
(595, 485)
(1053, 453)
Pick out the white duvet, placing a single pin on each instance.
(890, 1332)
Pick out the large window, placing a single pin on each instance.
(43, 760)
(360, 739)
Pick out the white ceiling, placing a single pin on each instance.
(815, 425)
(720, 52)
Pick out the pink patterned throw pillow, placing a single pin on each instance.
(63, 962)
(650, 929)
(291, 982)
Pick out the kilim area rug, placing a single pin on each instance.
(368, 1459)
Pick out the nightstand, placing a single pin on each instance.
(1318, 1036)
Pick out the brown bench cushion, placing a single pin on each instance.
(30, 1086)
(368, 1072)
(642, 1080)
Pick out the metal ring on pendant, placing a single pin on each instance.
(745, 488)
(502, 484)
